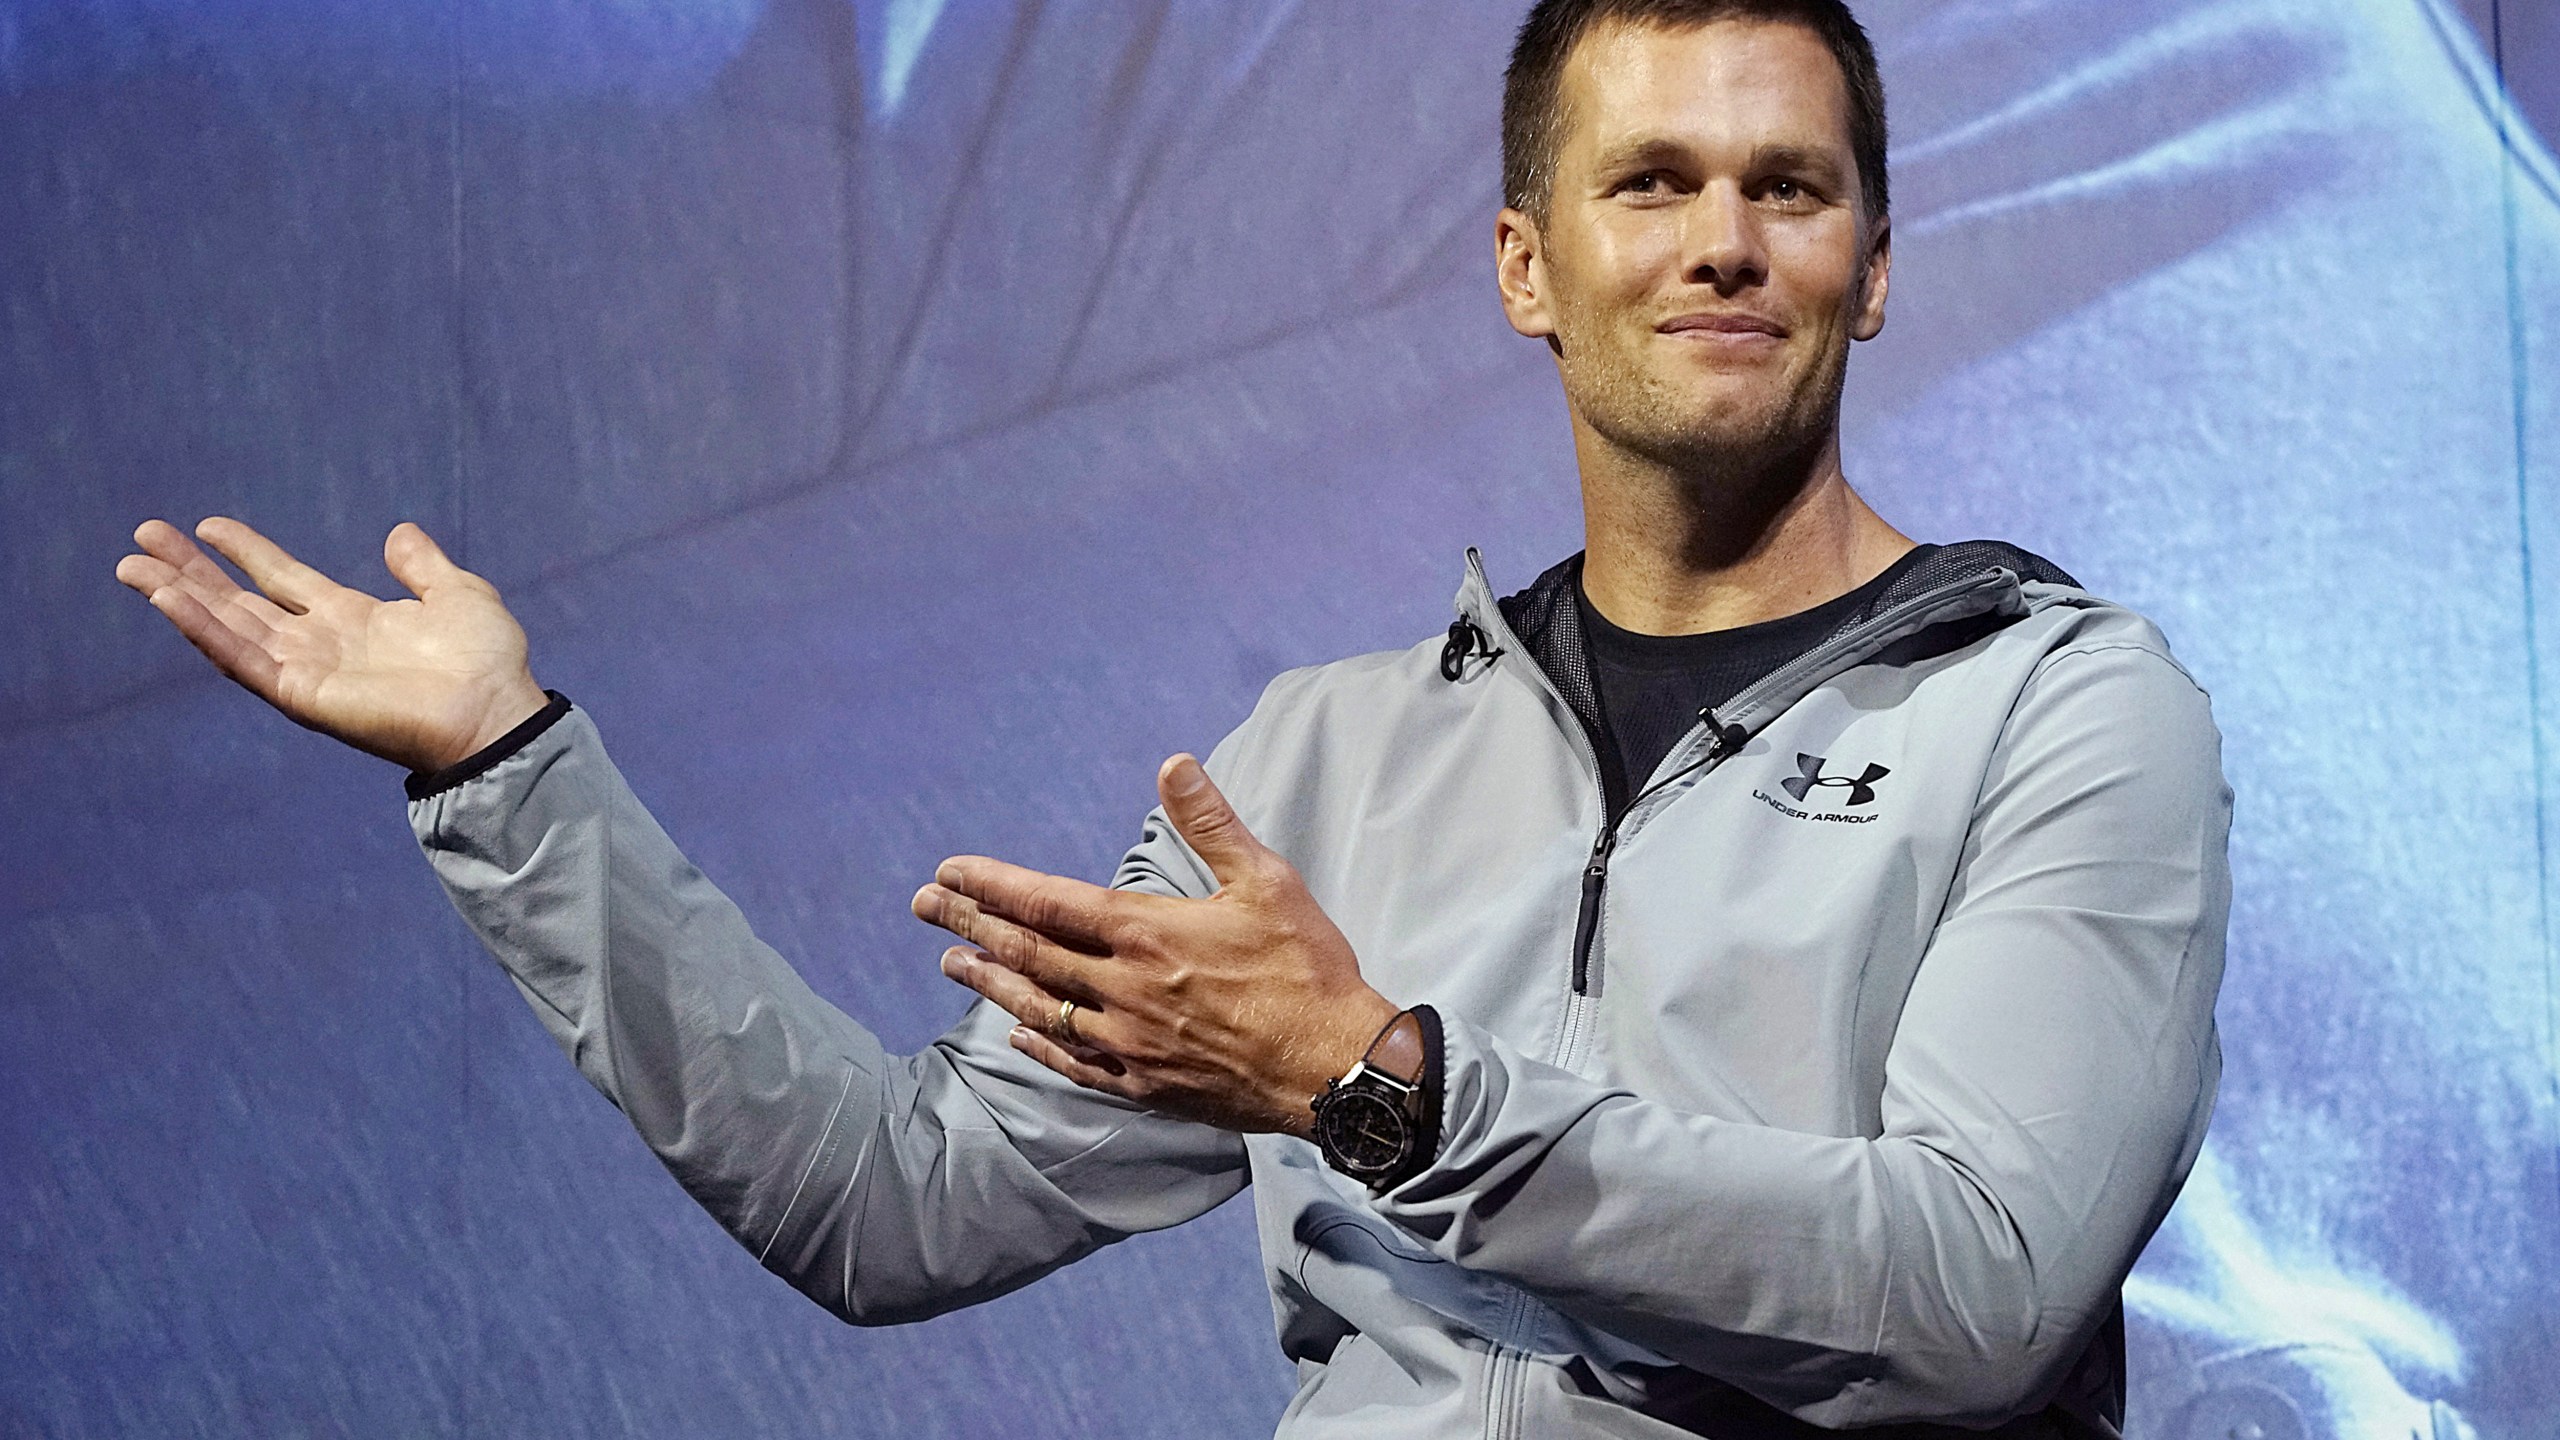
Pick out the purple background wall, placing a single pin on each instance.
(901, 422)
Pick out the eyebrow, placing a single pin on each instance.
(1796, 158)
(1774, 155)
(1647, 150)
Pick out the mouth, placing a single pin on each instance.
(1729, 327)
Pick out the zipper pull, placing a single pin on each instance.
(1598, 869)
(1586, 922)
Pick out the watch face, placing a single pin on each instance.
(1363, 1132)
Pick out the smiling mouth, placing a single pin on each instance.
(1723, 327)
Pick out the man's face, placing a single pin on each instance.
(1703, 264)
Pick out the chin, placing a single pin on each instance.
(1722, 433)
(1726, 423)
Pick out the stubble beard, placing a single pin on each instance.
(1722, 453)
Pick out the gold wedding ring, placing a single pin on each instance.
(1063, 1029)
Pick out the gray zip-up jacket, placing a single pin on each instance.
(1839, 1085)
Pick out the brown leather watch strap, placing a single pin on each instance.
(1399, 1051)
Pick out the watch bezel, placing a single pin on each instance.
(1361, 1088)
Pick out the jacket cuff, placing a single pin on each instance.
(1499, 1115)
(424, 784)
(1434, 1068)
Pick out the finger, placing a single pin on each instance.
(1104, 1074)
(231, 652)
(1071, 912)
(1017, 948)
(172, 562)
(418, 562)
(165, 541)
(252, 617)
(143, 574)
(1035, 1006)
(191, 567)
(293, 584)
(1204, 819)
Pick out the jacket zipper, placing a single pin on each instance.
(1586, 924)
(1595, 872)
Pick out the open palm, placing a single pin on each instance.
(422, 682)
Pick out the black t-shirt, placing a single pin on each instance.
(1653, 686)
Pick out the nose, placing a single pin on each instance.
(1720, 241)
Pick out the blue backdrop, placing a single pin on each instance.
(902, 422)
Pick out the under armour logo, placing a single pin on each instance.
(1862, 791)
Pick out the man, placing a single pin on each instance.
(1759, 976)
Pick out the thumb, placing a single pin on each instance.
(418, 561)
(1206, 821)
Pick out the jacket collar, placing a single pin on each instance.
(1952, 594)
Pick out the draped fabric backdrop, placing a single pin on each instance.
(902, 422)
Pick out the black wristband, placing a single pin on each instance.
(423, 784)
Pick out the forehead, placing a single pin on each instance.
(1741, 82)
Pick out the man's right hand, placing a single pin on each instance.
(422, 683)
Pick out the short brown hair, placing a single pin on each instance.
(1532, 118)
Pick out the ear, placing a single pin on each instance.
(1868, 323)
(1521, 272)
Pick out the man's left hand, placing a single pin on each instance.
(1234, 1010)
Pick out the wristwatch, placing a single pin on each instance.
(1379, 1124)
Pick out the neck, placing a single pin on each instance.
(1669, 552)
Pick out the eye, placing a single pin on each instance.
(1789, 194)
(1648, 183)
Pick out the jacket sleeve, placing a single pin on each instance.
(2044, 1097)
(886, 1188)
